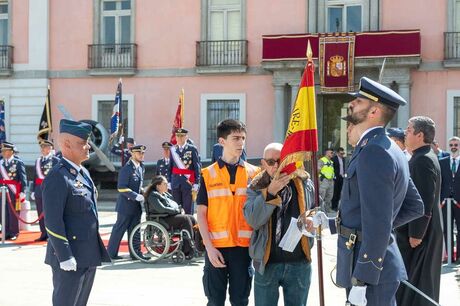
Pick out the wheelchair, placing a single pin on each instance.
(159, 241)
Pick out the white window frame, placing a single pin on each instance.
(451, 95)
(344, 4)
(7, 17)
(117, 13)
(225, 8)
(111, 97)
(203, 114)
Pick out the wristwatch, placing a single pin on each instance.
(357, 282)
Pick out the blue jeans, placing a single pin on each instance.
(293, 277)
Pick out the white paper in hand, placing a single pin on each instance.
(292, 237)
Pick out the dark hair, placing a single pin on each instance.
(228, 126)
(426, 126)
(388, 112)
(156, 180)
(328, 149)
(340, 149)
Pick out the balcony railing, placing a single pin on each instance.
(452, 45)
(112, 56)
(6, 57)
(222, 53)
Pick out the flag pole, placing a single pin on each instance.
(121, 125)
(319, 244)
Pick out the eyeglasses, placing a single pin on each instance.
(271, 161)
(453, 144)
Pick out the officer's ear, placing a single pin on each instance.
(221, 141)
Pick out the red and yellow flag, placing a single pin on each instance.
(179, 118)
(302, 134)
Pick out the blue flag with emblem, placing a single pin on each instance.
(2, 122)
(116, 119)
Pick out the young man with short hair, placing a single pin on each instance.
(220, 218)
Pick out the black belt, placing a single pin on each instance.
(347, 233)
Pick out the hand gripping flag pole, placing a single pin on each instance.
(301, 144)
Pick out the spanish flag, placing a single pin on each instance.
(302, 134)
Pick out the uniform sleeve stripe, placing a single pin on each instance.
(124, 190)
(56, 235)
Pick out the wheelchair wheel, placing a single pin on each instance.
(175, 242)
(152, 239)
(178, 257)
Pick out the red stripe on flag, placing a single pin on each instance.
(304, 140)
(308, 76)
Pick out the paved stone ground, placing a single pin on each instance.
(26, 280)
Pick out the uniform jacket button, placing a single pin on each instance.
(365, 255)
(74, 237)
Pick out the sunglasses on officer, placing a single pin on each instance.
(271, 161)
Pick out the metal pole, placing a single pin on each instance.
(319, 244)
(449, 230)
(3, 190)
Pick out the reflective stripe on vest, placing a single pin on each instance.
(226, 223)
(328, 168)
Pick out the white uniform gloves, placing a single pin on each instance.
(32, 196)
(140, 198)
(357, 295)
(195, 187)
(69, 264)
(320, 218)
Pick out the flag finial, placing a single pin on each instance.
(309, 52)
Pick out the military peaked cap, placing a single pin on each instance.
(138, 148)
(396, 133)
(76, 128)
(45, 142)
(166, 144)
(130, 140)
(181, 131)
(7, 146)
(376, 92)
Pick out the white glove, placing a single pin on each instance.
(69, 264)
(357, 295)
(320, 218)
(121, 140)
(32, 196)
(140, 198)
(195, 187)
(22, 196)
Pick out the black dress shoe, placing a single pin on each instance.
(13, 238)
(41, 239)
(116, 257)
(142, 257)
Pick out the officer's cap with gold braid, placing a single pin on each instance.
(76, 128)
(138, 148)
(7, 146)
(44, 142)
(376, 92)
(181, 131)
(166, 145)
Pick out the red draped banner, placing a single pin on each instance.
(336, 62)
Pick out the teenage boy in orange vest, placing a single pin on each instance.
(222, 225)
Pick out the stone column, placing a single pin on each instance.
(404, 112)
(279, 114)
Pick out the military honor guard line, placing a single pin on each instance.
(383, 202)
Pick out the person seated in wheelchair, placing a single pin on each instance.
(160, 201)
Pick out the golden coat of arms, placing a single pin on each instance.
(336, 66)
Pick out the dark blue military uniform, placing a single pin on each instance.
(129, 211)
(43, 166)
(15, 170)
(187, 159)
(71, 221)
(163, 168)
(376, 183)
(72, 225)
(116, 149)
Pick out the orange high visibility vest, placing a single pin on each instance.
(226, 224)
